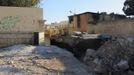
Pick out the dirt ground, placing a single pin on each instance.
(39, 60)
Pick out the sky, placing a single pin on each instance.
(59, 10)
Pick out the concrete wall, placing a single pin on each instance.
(18, 25)
(7, 39)
(19, 19)
(119, 27)
(41, 38)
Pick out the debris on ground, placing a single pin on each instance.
(115, 57)
(39, 60)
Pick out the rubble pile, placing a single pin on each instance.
(39, 60)
(115, 57)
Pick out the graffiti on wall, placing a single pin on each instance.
(9, 22)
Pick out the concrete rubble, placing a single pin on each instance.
(115, 57)
(39, 60)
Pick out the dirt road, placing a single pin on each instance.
(39, 60)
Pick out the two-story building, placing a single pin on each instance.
(82, 22)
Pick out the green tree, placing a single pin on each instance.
(20, 3)
(129, 7)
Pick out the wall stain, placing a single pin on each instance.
(8, 22)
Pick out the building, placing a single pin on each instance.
(82, 22)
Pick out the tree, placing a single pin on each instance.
(19, 3)
(129, 7)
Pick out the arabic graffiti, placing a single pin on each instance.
(8, 22)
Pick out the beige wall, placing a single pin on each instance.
(119, 27)
(19, 19)
(41, 38)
